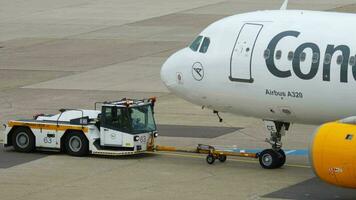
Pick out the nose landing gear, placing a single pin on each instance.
(275, 157)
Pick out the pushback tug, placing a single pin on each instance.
(121, 127)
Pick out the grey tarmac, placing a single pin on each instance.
(72, 53)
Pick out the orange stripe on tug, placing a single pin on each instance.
(37, 125)
(333, 153)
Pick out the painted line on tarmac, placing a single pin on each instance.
(290, 152)
(230, 159)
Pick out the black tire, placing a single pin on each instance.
(222, 158)
(269, 159)
(210, 159)
(23, 140)
(76, 144)
(282, 158)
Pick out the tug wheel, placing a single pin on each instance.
(270, 159)
(210, 159)
(222, 158)
(23, 140)
(77, 144)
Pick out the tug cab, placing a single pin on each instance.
(124, 124)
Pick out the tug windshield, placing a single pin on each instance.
(142, 119)
(133, 120)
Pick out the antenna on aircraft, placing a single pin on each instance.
(217, 114)
(284, 5)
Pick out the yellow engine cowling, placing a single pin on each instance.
(333, 153)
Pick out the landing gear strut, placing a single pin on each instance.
(275, 157)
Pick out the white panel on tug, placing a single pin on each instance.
(241, 57)
(110, 137)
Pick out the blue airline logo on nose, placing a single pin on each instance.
(198, 71)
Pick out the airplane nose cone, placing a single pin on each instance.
(164, 73)
(167, 73)
(173, 69)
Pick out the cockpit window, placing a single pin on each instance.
(196, 43)
(205, 45)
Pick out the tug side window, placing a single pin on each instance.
(115, 118)
(107, 117)
(196, 43)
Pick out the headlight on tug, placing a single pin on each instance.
(155, 135)
(136, 138)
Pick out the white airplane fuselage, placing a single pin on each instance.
(283, 65)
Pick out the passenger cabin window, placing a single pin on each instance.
(196, 43)
(205, 45)
(266, 54)
(303, 56)
(290, 55)
(339, 59)
(315, 57)
(278, 54)
(327, 59)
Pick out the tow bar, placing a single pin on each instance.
(213, 152)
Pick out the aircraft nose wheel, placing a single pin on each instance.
(271, 159)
